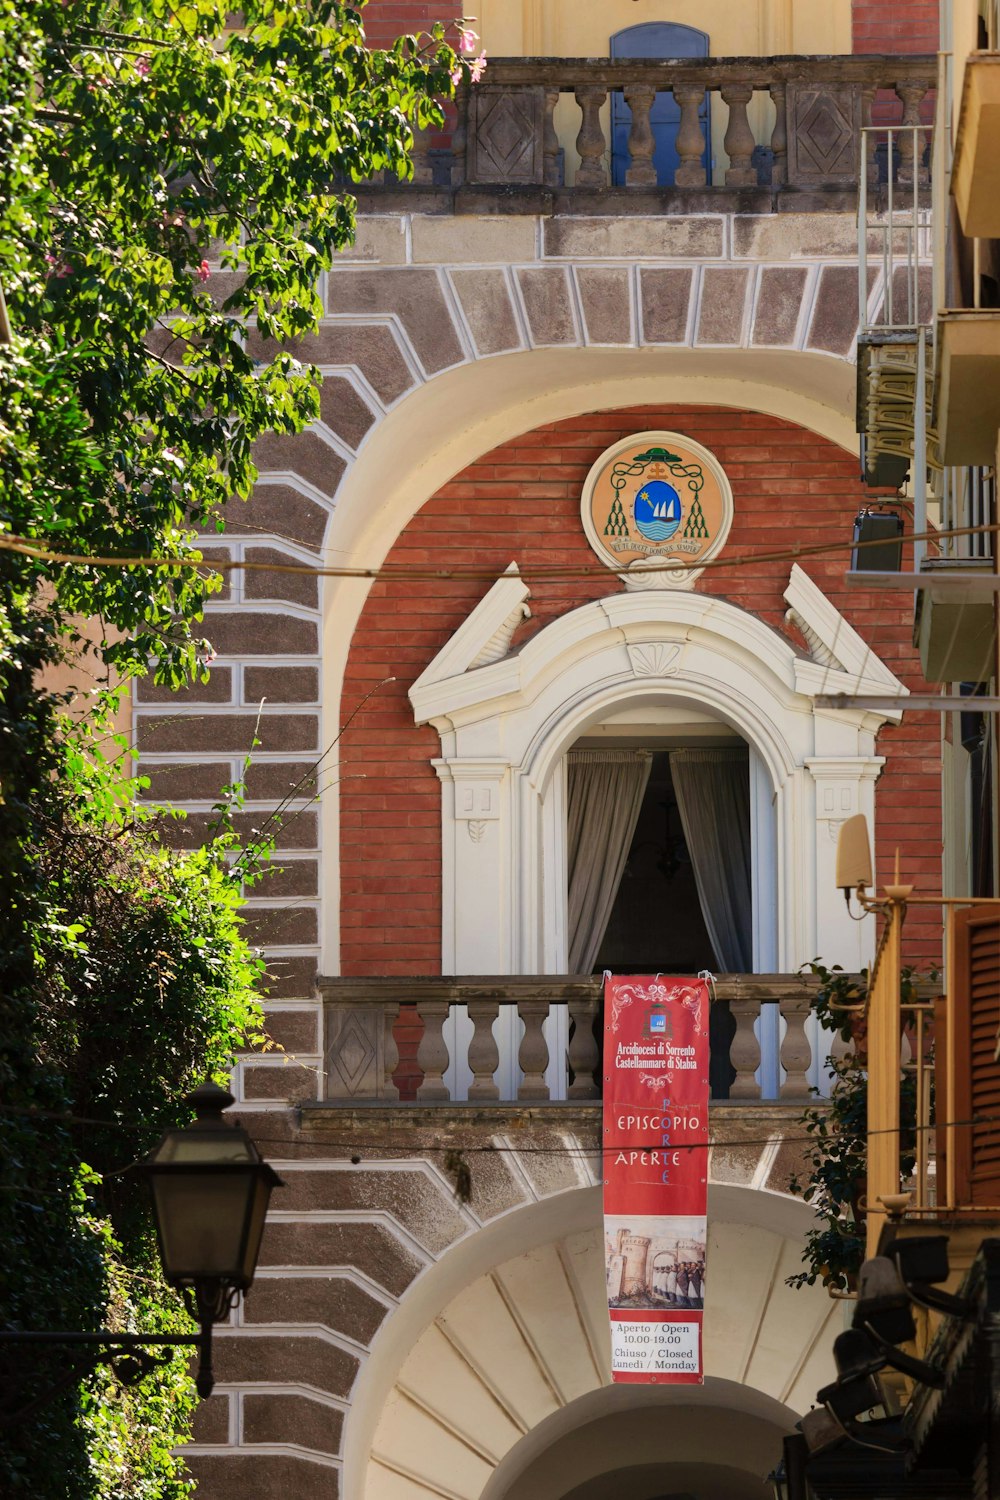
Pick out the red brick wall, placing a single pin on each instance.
(894, 25)
(522, 502)
(385, 20)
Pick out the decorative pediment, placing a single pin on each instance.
(840, 660)
(485, 635)
(674, 637)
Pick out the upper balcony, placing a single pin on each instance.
(682, 135)
(562, 134)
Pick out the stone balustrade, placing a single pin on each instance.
(362, 1031)
(506, 134)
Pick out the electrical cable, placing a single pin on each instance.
(472, 573)
(516, 1150)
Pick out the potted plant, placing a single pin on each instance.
(835, 1151)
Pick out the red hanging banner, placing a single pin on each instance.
(655, 1175)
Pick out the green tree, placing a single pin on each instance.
(146, 146)
(169, 182)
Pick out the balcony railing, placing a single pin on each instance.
(807, 135)
(444, 1039)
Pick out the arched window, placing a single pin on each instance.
(655, 39)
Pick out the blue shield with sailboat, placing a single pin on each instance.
(657, 510)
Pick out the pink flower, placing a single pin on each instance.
(476, 70)
(466, 39)
(204, 271)
(143, 67)
(58, 268)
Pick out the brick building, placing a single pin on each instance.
(606, 247)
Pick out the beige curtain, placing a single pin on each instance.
(604, 793)
(712, 788)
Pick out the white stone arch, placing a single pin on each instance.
(744, 715)
(771, 763)
(440, 426)
(715, 1440)
(501, 1347)
(506, 723)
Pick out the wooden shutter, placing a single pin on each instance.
(976, 1000)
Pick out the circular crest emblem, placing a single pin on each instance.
(657, 497)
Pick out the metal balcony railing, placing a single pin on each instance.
(895, 347)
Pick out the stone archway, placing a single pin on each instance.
(716, 1441)
(493, 1374)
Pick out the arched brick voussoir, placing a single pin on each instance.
(414, 1198)
(371, 1248)
(278, 511)
(331, 1302)
(302, 453)
(415, 296)
(370, 348)
(834, 325)
(548, 305)
(343, 411)
(605, 295)
(262, 1476)
(263, 583)
(285, 1359)
(272, 1418)
(779, 305)
(484, 294)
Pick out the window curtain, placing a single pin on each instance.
(604, 794)
(712, 788)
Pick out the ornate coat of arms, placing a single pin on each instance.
(655, 497)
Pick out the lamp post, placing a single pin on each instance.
(210, 1191)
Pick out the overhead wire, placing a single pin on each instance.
(487, 1149)
(389, 571)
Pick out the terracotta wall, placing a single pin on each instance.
(385, 20)
(894, 25)
(522, 502)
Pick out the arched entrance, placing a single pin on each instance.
(491, 1380)
(714, 1442)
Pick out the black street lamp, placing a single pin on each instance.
(210, 1190)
